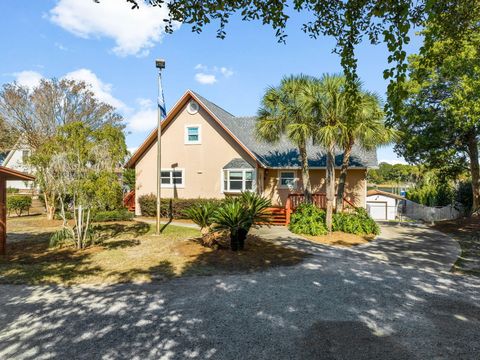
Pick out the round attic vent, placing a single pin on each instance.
(192, 107)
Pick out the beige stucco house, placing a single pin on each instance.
(209, 153)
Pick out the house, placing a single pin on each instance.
(209, 153)
(16, 159)
(382, 205)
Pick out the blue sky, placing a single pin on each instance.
(113, 48)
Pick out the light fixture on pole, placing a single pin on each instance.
(162, 113)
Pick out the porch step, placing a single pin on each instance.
(277, 215)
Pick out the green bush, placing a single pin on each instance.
(170, 207)
(112, 215)
(19, 204)
(358, 223)
(309, 220)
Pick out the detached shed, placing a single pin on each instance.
(7, 174)
(382, 205)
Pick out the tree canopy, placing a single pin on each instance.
(349, 22)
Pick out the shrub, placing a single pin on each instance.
(174, 208)
(358, 223)
(19, 204)
(232, 216)
(112, 215)
(309, 220)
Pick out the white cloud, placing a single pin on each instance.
(393, 161)
(226, 72)
(208, 75)
(102, 91)
(206, 79)
(134, 31)
(144, 119)
(28, 78)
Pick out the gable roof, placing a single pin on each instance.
(282, 154)
(373, 192)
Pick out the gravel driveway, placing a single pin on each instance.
(391, 299)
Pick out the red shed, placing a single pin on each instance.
(5, 175)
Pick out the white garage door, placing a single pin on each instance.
(377, 210)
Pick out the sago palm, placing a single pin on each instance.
(282, 113)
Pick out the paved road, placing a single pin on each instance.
(366, 303)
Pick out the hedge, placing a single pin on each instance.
(169, 207)
(112, 215)
(19, 204)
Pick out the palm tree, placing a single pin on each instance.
(282, 113)
(326, 100)
(368, 130)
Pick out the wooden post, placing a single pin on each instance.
(288, 210)
(3, 215)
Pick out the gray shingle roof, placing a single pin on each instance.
(238, 164)
(283, 154)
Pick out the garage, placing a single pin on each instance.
(382, 205)
(377, 210)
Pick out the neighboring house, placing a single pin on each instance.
(209, 153)
(382, 205)
(16, 159)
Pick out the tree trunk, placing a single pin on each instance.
(475, 171)
(330, 185)
(49, 205)
(307, 186)
(343, 177)
(234, 241)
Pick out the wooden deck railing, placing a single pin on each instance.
(319, 200)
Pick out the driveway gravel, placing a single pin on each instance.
(391, 299)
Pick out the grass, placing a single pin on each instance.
(467, 232)
(127, 252)
(338, 238)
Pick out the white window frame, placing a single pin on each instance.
(295, 179)
(172, 185)
(254, 180)
(199, 141)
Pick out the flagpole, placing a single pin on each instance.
(161, 113)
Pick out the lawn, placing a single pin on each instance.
(467, 232)
(127, 252)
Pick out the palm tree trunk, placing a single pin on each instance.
(330, 184)
(343, 176)
(307, 186)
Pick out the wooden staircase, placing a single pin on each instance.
(277, 215)
(129, 201)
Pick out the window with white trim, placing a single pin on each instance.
(172, 178)
(238, 180)
(193, 134)
(287, 180)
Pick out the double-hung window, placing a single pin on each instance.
(193, 134)
(237, 180)
(287, 179)
(172, 178)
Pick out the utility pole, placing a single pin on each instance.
(162, 113)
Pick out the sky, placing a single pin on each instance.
(113, 49)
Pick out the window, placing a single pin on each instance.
(192, 134)
(172, 178)
(25, 155)
(288, 180)
(237, 180)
